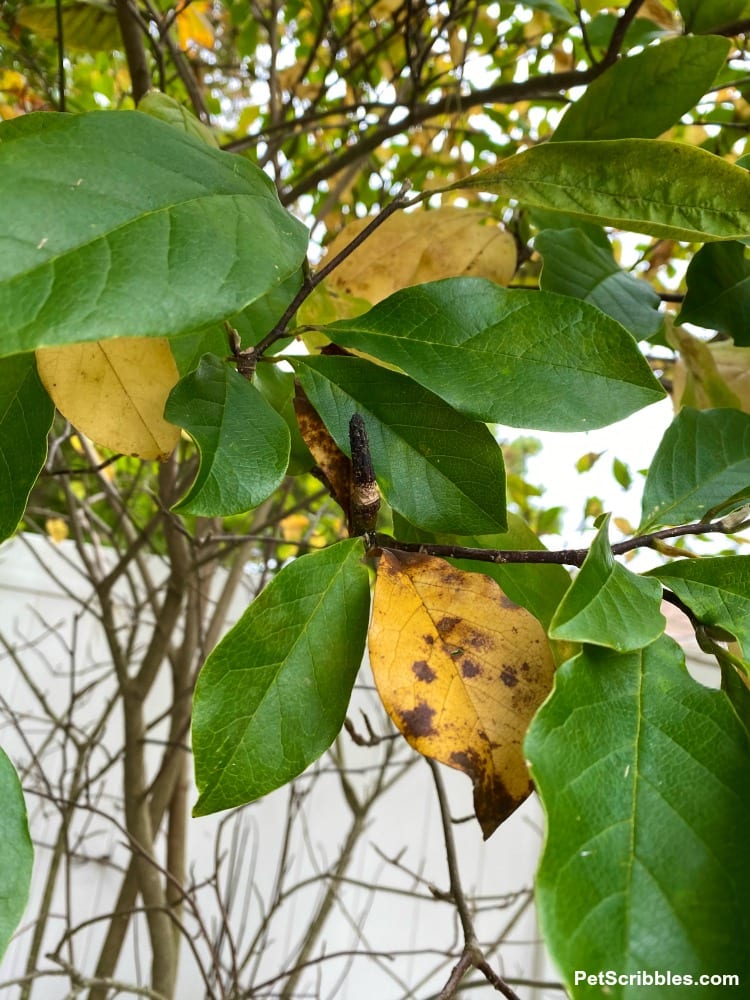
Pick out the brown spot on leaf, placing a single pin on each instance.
(429, 639)
(476, 640)
(333, 463)
(509, 677)
(418, 721)
(423, 671)
(493, 803)
(506, 602)
(446, 623)
(466, 761)
(469, 668)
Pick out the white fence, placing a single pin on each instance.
(389, 935)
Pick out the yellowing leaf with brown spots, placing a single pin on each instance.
(114, 392)
(410, 249)
(461, 671)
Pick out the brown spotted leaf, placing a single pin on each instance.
(461, 671)
(334, 465)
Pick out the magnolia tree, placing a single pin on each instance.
(163, 294)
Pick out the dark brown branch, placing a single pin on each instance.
(504, 93)
(562, 557)
(741, 27)
(135, 51)
(621, 28)
(60, 54)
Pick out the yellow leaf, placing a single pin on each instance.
(655, 11)
(383, 9)
(194, 27)
(622, 524)
(410, 249)
(114, 392)
(461, 670)
(57, 529)
(294, 526)
(709, 375)
(11, 81)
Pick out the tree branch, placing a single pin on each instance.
(248, 359)
(135, 51)
(564, 557)
(472, 955)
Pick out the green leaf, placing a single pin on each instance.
(116, 224)
(277, 387)
(735, 684)
(26, 413)
(643, 777)
(607, 604)
(708, 15)
(542, 218)
(622, 473)
(641, 31)
(243, 443)
(554, 9)
(439, 469)
(528, 359)
(717, 591)
(16, 852)
(251, 324)
(692, 194)
(620, 103)
(168, 110)
(575, 266)
(702, 463)
(718, 291)
(273, 694)
(88, 27)
(537, 587)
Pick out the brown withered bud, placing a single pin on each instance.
(364, 503)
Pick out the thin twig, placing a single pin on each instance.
(312, 281)
(564, 557)
(472, 955)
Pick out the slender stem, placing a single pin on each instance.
(618, 35)
(451, 854)
(60, 54)
(564, 557)
(549, 86)
(312, 281)
(472, 955)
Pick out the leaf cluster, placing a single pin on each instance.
(385, 373)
